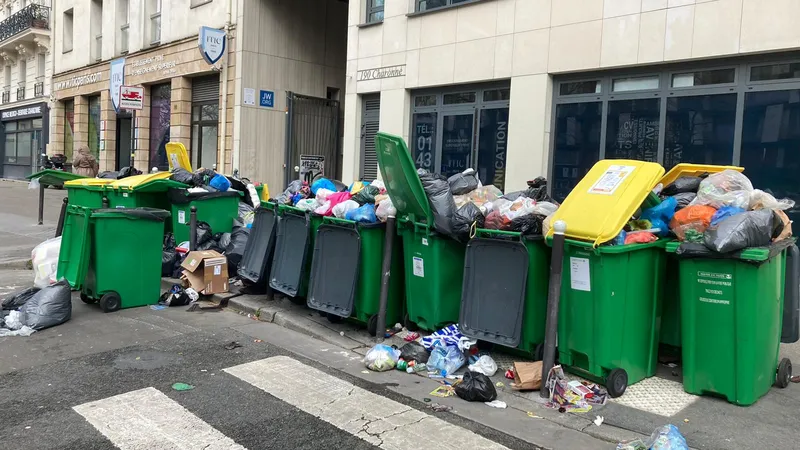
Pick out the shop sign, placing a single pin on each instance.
(77, 81)
(267, 99)
(152, 64)
(131, 97)
(24, 112)
(117, 79)
(212, 44)
(382, 72)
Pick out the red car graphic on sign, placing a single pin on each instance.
(131, 95)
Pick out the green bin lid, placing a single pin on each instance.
(153, 214)
(53, 177)
(400, 177)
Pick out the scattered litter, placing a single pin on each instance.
(232, 345)
(476, 387)
(598, 420)
(565, 398)
(446, 358)
(534, 416)
(341, 333)
(203, 370)
(485, 365)
(496, 404)
(138, 358)
(426, 400)
(672, 365)
(257, 340)
(527, 376)
(414, 351)
(158, 307)
(500, 384)
(28, 427)
(436, 407)
(510, 374)
(796, 379)
(667, 437)
(381, 358)
(685, 420)
(413, 336)
(449, 335)
(443, 392)
(182, 387)
(365, 371)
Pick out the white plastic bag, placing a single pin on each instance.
(485, 365)
(763, 200)
(323, 208)
(385, 210)
(726, 188)
(322, 194)
(344, 207)
(44, 259)
(34, 184)
(251, 191)
(14, 320)
(381, 358)
(307, 204)
(378, 184)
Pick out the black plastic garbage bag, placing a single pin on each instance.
(126, 172)
(182, 175)
(463, 220)
(443, 206)
(682, 185)
(476, 387)
(748, 229)
(108, 175)
(463, 183)
(204, 233)
(235, 249)
(414, 351)
(683, 199)
(49, 307)
(293, 188)
(537, 190)
(169, 255)
(176, 296)
(366, 195)
(528, 224)
(513, 195)
(18, 298)
(224, 240)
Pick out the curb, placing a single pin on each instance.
(16, 264)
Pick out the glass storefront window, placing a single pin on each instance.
(771, 143)
(635, 84)
(577, 144)
(69, 129)
(700, 129)
(94, 125)
(425, 100)
(704, 78)
(160, 98)
(423, 136)
(458, 98)
(770, 72)
(22, 141)
(580, 87)
(11, 149)
(492, 146)
(632, 129)
(204, 134)
(457, 133)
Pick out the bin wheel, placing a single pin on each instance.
(372, 325)
(86, 299)
(333, 318)
(110, 302)
(617, 382)
(784, 373)
(408, 324)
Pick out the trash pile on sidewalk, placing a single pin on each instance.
(32, 309)
(359, 202)
(667, 437)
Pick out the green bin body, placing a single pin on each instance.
(152, 194)
(731, 314)
(86, 196)
(125, 255)
(73, 257)
(218, 210)
(610, 309)
(671, 311)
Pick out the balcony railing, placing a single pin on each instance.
(6, 96)
(31, 16)
(20, 93)
(38, 89)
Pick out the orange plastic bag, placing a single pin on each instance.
(694, 217)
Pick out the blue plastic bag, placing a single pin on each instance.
(297, 197)
(322, 183)
(447, 359)
(660, 215)
(667, 437)
(220, 183)
(724, 213)
(364, 214)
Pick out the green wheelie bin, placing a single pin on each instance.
(124, 269)
(142, 191)
(73, 257)
(294, 250)
(731, 314)
(217, 209)
(433, 263)
(52, 177)
(504, 294)
(87, 192)
(346, 273)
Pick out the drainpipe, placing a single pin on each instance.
(222, 135)
(51, 95)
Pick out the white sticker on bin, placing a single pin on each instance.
(424, 241)
(580, 278)
(182, 217)
(419, 267)
(613, 177)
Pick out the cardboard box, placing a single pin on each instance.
(206, 272)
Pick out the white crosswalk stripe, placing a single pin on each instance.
(148, 420)
(379, 420)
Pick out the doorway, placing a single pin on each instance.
(123, 142)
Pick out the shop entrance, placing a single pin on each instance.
(123, 140)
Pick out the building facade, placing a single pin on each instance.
(525, 88)
(273, 47)
(27, 68)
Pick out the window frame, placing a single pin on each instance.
(196, 159)
(449, 4)
(371, 8)
(68, 31)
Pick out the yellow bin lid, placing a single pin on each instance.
(90, 182)
(131, 183)
(693, 170)
(606, 198)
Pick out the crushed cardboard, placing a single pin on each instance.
(206, 272)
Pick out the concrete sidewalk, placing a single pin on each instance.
(19, 232)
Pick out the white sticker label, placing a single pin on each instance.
(613, 177)
(217, 270)
(424, 241)
(182, 217)
(580, 279)
(419, 267)
(125, 194)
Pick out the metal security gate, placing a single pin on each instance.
(312, 129)
(370, 123)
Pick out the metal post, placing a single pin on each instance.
(193, 229)
(553, 296)
(386, 270)
(41, 203)
(61, 216)
(133, 139)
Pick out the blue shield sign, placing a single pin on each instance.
(212, 44)
(267, 99)
(117, 79)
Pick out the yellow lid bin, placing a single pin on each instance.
(131, 183)
(606, 198)
(693, 170)
(88, 182)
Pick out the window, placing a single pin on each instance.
(94, 125)
(96, 29)
(69, 128)
(370, 125)
(632, 129)
(635, 84)
(23, 72)
(704, 78)
(580, 87)
(160, 98)
(700, 130)
(205, 119)
(7, 85)
(196, 3)
(497, 95)
(423, 136)
(22, 142)
(155, 21)
(40, 66)
(66, 45)
(461, 97)
(123, 19)
(492, 146)
(577, 144)
(374, 10)
(426, 5)
(425, 100)
(774, 72)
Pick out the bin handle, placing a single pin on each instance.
(339, 222)
(506, 235)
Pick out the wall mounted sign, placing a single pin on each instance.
(212, 44)
(22, 113)
(267, 99)
(117, 79)
(78, 81)
(152, 64)
(131, 97)
(382, 72)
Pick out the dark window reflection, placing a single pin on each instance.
(160, 96)
(632, 129)
(423, 139)
(577, 144)
(771, 143)
(492, 146)
(457, 133)
(700, 130)
(775, 72)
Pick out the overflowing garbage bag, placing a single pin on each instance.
(366, 195)
(234, 250)
(44, 259)
(464, 182)
(177, 296)
(169, 255)
(446, 359)
(443, 206)
(364, 214)
(18, 299)
(414, 351)
(381, 358)
(48, 307)
(726, 188)
(682, 185)
(476, 387)
(747, 229)
(465, 220)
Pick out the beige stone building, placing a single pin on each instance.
(525, 88)
(231, 114)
